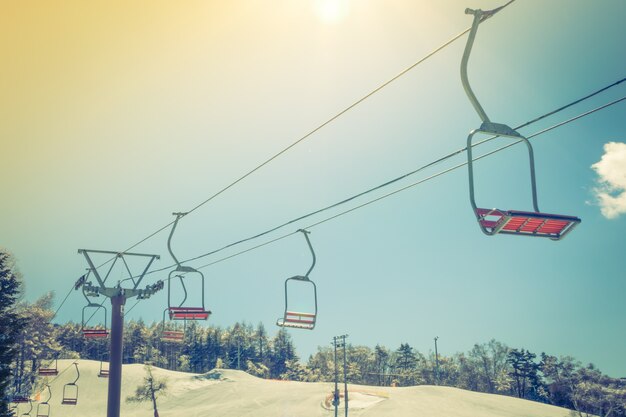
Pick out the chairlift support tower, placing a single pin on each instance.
(118, 296)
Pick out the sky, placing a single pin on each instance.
(116, 114)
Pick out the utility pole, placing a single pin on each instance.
(238, 353)
(118, 296)
(345, 379)
(336, 392)
(340, 341)
(436, 362)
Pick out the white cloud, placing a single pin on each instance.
(611, 190)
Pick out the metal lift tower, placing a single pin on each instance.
(118, 296)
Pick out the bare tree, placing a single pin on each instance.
(150, 390)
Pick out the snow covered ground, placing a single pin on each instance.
(230, 393)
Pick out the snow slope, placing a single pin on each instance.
(227, 393)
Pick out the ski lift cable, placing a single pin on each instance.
(405, 176)
(428, 165)
(555, 126)
(61, 373)
(63, 302)
(131, 309)
(538, 133)
(411, 173)
(79, 282)
(440, 173)
(487, 15)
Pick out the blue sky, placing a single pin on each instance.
(119, 114)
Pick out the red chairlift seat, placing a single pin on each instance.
(297, 320)
(95, 333)
(49, 370)
(188, 313)
(174, 336)
(98, 331)
(20, 399)
(553, 226)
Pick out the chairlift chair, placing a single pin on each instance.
(20, 399)
(497, 221)
(70, 390)
(294, 319)
(43, 408)
(171, 336)
(95, 332)
(183, 311)
(22, 396)
(49, 370)
(104, 372)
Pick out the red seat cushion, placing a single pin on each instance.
(526, 223)
(95, 333)
(188, 313)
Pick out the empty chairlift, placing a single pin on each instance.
(173, 336)
(43, 408)
(183, 310)
(22, 396)
(70, 390)
(95, 332)
(494, 221)
(296, 319)
(104, 369)
(20, 399)
(169, 335)
(50, 369)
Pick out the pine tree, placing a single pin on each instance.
(406, 363)
(381, 363)
(524, 371)
(261, 341)
(283, 351)
(10, 323)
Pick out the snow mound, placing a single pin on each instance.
(230, 393)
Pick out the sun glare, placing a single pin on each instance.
(331, 11)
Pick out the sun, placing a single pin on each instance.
(331, 11)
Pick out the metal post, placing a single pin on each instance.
(336, 393)
(115, 366)
(345, 379)
(436, 362)
(239, 354)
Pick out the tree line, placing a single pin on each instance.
(490, 367)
